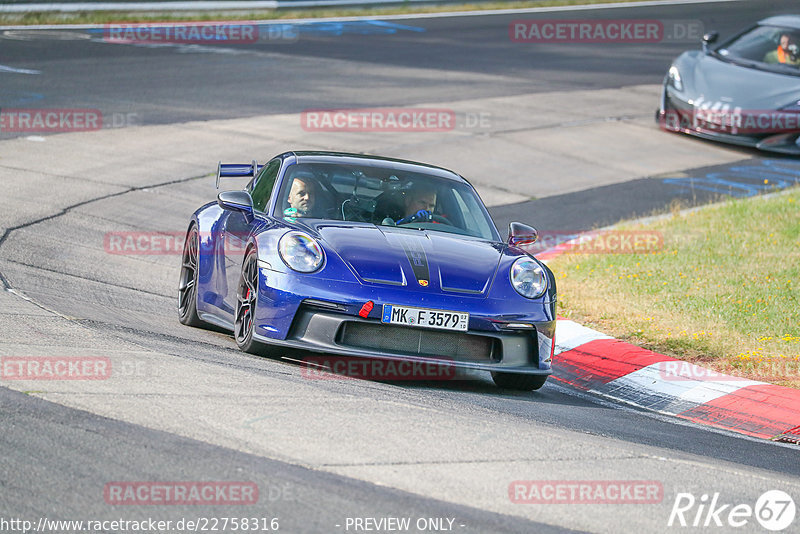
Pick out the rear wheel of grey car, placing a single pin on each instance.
(519, 381)
(246, 305)
(187, 286)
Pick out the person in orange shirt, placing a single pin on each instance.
(785, 53)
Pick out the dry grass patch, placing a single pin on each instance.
(724, 291)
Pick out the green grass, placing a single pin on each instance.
(724, 291)
(102, 17)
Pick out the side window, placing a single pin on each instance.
(264, 183)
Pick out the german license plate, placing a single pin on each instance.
(424, 317)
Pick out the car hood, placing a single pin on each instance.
(414, 258)
(713, 80)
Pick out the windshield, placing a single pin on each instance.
(766, 47)
(384, 196)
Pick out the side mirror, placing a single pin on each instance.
(709, 39)
(236, 201)
(521, 234)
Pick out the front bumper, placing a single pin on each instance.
(521, 340)
(325, 332)
(677, 115)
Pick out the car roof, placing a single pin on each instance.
(788, 21)
(320, 156)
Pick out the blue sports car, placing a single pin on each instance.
(371, 257)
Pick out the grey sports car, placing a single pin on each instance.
(744, 91)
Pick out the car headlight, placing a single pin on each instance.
(674, 77)
(528, 278)
(300, 251)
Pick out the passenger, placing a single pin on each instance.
(302, 197)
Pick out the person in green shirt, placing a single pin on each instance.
(786, 53)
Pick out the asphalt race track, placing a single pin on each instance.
(344, 64)
(568, 143)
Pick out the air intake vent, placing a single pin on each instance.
(419, 342)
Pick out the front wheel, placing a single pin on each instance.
(246, 305)
(519, 381)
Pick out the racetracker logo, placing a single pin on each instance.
(50, 120)
(180, 493)
(344, 367)
(604, 31)
(182, 33)
(144, 243)
(586, 492)
(55, 368)
(680, 371)
(169, 243)
(378, 120)
(717, 118)
(598, 242)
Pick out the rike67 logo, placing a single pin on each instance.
(774, 510)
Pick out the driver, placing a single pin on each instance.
(420, 203)
(785, 53)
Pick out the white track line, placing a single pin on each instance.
(570, 335)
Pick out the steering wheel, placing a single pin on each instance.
(441, 219)
(424, 215)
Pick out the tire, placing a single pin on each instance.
(519, 381)
(187, 285)
(246, 304)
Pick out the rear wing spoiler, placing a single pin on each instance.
(237, 170)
